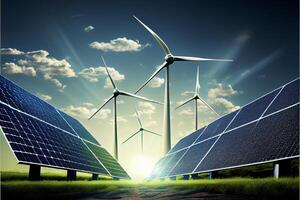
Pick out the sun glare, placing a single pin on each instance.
(142, 166)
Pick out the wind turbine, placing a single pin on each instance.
(116, 93)
(169, 60)
(141, 130)
(195, 98)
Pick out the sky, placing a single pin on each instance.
(53, 49)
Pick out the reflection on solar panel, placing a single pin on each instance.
(265, 130)
(42, 135)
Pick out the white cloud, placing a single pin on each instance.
(11, 51)
(93, 74)
(45, 97)
(156, 82)
(86, 110)
(120, 119)
(187, 111)
(118, 45)
(146, 108)
(150, 123)
(12, 68)
(186, 93)
(216, 98)
(88, 28)
(39, 61)
(221, 91)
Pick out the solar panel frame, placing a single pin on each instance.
(229, 130)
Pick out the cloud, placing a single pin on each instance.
(93, 74)
(221, 91)
(156, 82)
(11, 51)
(118, 45)
(86, 110)
(44, 97)
(146, 108)
(40, 61)
(12, 68)
(216, 98)
(88, 28)
(187, 112)
(186, 93)
(120, 119)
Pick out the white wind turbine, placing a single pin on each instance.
(169, 59)
(116, 93)
(141, 130)
(195, 98)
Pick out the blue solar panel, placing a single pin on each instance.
(78, 128)
(22, 100)
(34, 141)
(216, 127)
(108, 161)
(273, 137)
(191, 159)
(287, 97)
(244, 137)
(38, 134)
(253, 110)
(187, 141)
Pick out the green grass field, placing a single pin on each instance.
(15, 186)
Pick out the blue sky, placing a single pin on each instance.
(261, 37)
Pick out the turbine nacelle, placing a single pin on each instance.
(116, 92)
(169, 58)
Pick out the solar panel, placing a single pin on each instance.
(265, 130)
(187, 141)
(55, 140)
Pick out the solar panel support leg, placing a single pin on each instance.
(95, 177)
(186, 177)
(276, 169)
(34, 172)
(212, 175)
(71, 175)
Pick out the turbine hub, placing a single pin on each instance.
(169, 58)
(116, 92)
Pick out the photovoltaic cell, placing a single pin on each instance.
(40, 134)
(78, 128)
(108, 161)
(253, 110)
(216, 127)
(22, 100)
(287, 97)
(263, 131)
(187, 141)
(190, 160)
(34, 141)
(273, 137)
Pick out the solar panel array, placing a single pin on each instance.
(40, 134)
(264, 130)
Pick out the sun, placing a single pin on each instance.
(142, 166)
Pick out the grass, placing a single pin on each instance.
(263, 188)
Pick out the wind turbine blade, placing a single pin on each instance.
(111, 80)
(101, 107)
(131, 136)
(138, 117)
(152, 132)
(208, 106)
(161, 43)
(187, 101)
(152, 76)
(188, 58)
(138, 97)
